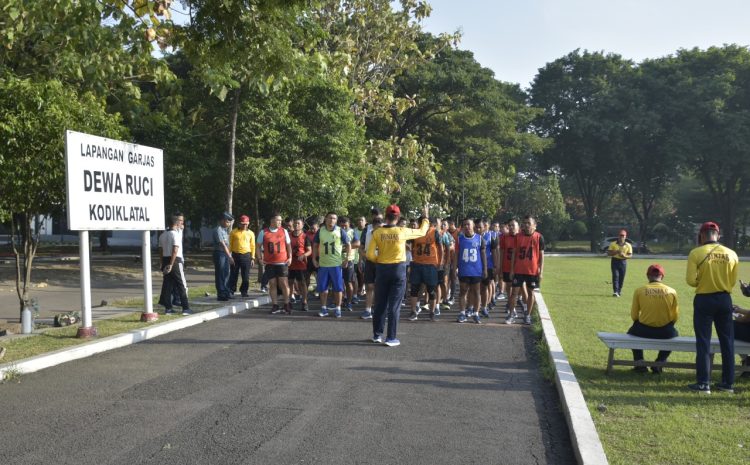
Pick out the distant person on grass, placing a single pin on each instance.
(620, 251)
(712, 270)
(654, 313)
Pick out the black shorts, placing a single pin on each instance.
(297, 275)
(470, 279)
(310, 267)
(490, 276)
(532, 282)
(348, 273)
(506, 277)
(276, 271)
(370, 272)
(441, 275)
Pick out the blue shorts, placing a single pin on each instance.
(330, 275)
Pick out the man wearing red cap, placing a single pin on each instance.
(620, 251)
(242, 245)
(654, 313)
(712, 270)
(387, 249)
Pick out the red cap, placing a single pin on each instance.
(709, 225)
(393, 209)
(655, 270)
(244, 219)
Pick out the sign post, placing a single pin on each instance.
(113, 185)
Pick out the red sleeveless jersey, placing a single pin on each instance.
(298, 248)
(274, 246)
(528, 248)
(507, 245)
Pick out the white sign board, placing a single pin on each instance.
(113, 184)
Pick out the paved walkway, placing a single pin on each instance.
(260, 389)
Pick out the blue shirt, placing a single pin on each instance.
(220, 236)
(470, 255)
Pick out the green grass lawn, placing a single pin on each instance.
(649, 419)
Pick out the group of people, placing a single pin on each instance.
(712, 269)
(390, 261)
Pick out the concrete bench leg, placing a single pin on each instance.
(610, 359)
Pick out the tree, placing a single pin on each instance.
(647, 164)
(579, 115)
(540, 197)
(33, 119)
(238, 45)
(710, 95)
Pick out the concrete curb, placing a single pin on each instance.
(51, 359)
(586, 444)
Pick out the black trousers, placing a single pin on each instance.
(651, 332)
(174, 282)
(241, 267)
(619, 267)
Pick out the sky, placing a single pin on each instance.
(515, 38)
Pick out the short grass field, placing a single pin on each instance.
(643, 418)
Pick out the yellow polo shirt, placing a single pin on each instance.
(390, 243)
(655, 305)
(242, 242)
(626, 250)
(712, 268)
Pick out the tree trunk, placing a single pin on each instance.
(232, 144)
(25, 259)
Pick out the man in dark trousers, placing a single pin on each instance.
(712, 270)
(172, 266)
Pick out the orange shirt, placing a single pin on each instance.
(274, 246)
(424, 250)
(507, 245)
(528, 253)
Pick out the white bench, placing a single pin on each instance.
(676, 344)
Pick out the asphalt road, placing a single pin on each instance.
(268, 389)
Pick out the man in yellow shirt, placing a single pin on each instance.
(712, 270)
(242, 246)
(387, 249)
(620, 251)
(654, 313)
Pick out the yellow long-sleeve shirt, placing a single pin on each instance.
(655, 305)
(390, 243)
(242, 242)
(712, 268)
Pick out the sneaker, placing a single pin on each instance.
(304, 307)
(275, 310)
(323, 312)
(485, 312)
(502, 296)
(461, 318)
(701, 388)
(657, 370)
(377, 339)
(476, 318)
(292, 299)
(510, 319)
(349, 307)
(434, 316)
(288, 308)
(527, 319)
(169, 311)
(355, 300)
(264, 289)
(337, 313)
(451, 301)
(186, 312)
(413, 316)
(366, 315)
(614, 294)
(723, 387)
(437, 311)
(392, 342)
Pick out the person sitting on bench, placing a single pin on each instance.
(654, 312)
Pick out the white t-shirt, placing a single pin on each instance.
(168, 240)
